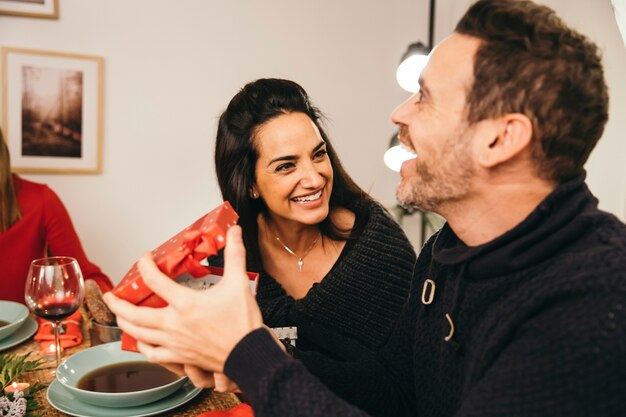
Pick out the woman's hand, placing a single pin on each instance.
(198, 328)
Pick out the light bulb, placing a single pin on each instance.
(409, 71)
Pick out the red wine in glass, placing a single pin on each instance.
(54, 291)
(55, 311)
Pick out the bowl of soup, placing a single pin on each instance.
(108, 376)
(12, 316)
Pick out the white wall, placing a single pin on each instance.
(172, 66)
(170, 69)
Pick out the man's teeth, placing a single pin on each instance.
(410, 151)
(308, 197)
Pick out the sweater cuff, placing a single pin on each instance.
(252, 359)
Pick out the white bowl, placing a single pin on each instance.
(72, 369)
(13, 313)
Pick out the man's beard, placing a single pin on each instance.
(445, 180)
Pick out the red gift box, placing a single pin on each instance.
(215, 274)
(180, 254)
(183, 252)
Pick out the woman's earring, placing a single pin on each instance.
(254, 194)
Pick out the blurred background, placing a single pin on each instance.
(172, 66)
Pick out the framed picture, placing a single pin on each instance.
(47, 9)
(52, 111)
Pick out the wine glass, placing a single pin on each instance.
(54, 291)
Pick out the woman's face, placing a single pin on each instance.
(293, 172)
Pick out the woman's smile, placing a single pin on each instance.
(309, 198)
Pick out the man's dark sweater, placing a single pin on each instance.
(539, 319)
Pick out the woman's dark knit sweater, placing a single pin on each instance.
(539, 318)
(351, 312)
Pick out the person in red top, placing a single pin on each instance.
(34, 223)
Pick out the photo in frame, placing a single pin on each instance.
(47, 9)
(52, 111)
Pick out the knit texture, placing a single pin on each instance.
(250, 358)
(539, 318)
(354, 307)
(351, 312)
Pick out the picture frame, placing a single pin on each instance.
(52, 104)
(46, 9)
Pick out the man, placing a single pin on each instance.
(518, 306)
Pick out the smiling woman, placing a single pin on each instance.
(333, 263)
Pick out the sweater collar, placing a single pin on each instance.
(554, 223)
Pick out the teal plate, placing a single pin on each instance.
(64, 401)
(25, 331)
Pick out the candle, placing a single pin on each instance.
(18, 386)
(53, 349)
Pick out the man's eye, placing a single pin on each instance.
(420, 97)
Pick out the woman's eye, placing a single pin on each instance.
(320, 154)
(284, 167)
(420, 97)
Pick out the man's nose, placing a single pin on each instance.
(400, 113)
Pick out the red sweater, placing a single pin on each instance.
(45, 223)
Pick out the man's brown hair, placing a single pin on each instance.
(530, 62)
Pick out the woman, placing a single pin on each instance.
(332, 261)
(34, 223)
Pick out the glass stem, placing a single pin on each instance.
(57, 342)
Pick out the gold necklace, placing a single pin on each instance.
(300, 258)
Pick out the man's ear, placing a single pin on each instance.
(509, 136)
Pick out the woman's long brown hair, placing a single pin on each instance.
(9, 208)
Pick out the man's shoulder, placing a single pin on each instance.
(606, 237)
(611, 230)
(593, 263)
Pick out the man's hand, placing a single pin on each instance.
(198, 328)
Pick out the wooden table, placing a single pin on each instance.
(207, 400)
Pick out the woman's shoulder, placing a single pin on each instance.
(361, 211)
(374, 228)
(379, 219)
(30, 193)
(367, 217)
(23, 185)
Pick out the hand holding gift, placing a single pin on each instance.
(198, 328)
(179, 257)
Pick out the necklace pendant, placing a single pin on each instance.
(300, 264)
